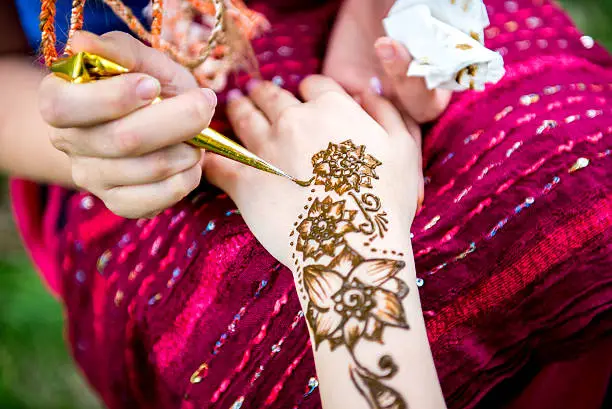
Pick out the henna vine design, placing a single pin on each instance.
(350, 298)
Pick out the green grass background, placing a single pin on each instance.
(36, 371)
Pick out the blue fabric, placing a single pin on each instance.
(99, 18)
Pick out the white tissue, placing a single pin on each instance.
(445, 39)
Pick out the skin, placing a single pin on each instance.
(277, 126)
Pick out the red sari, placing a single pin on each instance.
(513, 247)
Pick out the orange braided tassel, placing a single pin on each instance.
(47, 29)
(156, 23)
(76, 22)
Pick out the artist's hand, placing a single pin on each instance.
(125, 151)
(360, 57)
(275, 125)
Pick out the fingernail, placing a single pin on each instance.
(386, 51)
(210, 96)
(234, 95)
(148, 88)
(376, 85)
(253, 82)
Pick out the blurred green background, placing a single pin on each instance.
(36, 371)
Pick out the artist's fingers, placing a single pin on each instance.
(141, 200)
(154, 167)
(66, 105)
(149, 129)
(315, 86)
(422, 104)
(271, 99)
(131, 53)
(250, 124)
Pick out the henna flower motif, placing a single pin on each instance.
(323, 229)
(353, 298)
(344, 167)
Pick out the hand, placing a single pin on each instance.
(124, 150)
(345, 235)
(360, 57)
(275, 125)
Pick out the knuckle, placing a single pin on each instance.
(162, 165)
(126, 141)
(332, 97)
(81, 176)
(288, 120)
(58, 139)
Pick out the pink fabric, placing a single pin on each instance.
(513, 247)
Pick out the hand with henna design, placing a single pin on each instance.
(345, 235)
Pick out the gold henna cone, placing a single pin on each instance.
(85, 67)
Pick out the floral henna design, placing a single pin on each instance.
(344, 167)
(351, 299)
(324, 228)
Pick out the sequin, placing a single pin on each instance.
(118, 298)
(192, 249)
(587, 41)
(529, 99)
(80, 276)
(284, 51)
(125, 239)
(313, 384)
(278, 80)
(447, 158)
(209, 227)
(232, 212)
(420, 282)
(276, 349)
(546, 125)
(580, 164)
(571, 118)
(552, 89)
(542, 43)
(155, 246)
(87, 202)
(501, 114)
(592, 113)
(153, 300)
(196, 377)
(473, 136)
(533, 22)
(238, 403)
(511, 6)
(562, 43)
(523, 45)
(103, 261)
(432, 222)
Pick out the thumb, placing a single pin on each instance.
(418, 101)
(131, 53)
(393, 56)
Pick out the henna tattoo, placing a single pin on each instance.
(368, 203)
(344, 167)
(350, 298)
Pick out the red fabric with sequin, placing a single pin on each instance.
(513, 248)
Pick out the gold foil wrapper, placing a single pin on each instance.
(85, 67)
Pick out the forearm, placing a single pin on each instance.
(355, 276)
(25, 149)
